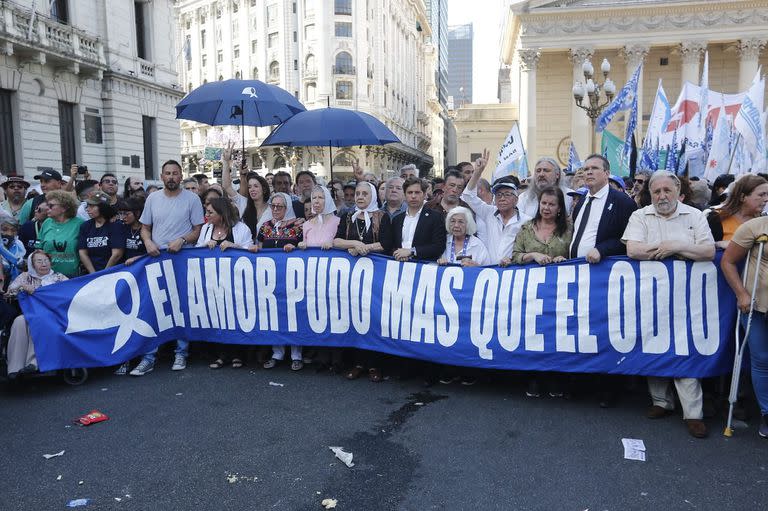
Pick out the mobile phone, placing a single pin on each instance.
(82, 169)
(460, 257)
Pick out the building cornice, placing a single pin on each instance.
(705, 17)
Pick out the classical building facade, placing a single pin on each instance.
(87, 81)
(545, 43)
(369, 55)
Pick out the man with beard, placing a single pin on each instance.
(15, 193)
(669, 228)
(546, 173)
(171, 220)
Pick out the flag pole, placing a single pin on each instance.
(735, 148)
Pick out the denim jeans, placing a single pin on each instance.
(758, 354)
(182, 348)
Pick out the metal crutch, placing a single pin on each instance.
(742, 343)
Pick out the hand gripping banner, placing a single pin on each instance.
(662, 318)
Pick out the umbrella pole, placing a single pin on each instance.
(242, 124)
(330, 154)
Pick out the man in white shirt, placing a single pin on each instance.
(502, 221)
(669, 228)
(546, 173)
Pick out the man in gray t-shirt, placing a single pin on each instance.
(172, 218)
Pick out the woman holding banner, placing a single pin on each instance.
(59, 234)
(224, 230)
(462, 246)
(543, 240)
(319, 232)
(359, 234)
(281, 232)
(21, 351)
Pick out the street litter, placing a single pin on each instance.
(345, 457)
(234, 478)
(91, 417)
(419, 404)
(118, 499)
(179, 393)
(634, 449)
(329, 503)
(59, 478)
(49, 456)
(80, 482)
(78, 502)
(104, 389)
(275, 384)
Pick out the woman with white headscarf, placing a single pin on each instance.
(359, 233)
(321, 229)
(21, 351)
(281, 232)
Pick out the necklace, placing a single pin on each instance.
(360, 232)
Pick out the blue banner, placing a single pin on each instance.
(663, 318)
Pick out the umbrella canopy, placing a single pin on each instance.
(332, 127)
(337, 127)
(238, 102)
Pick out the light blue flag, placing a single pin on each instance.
(623, 101)
(573, 159)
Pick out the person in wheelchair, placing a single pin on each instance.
(21, 350)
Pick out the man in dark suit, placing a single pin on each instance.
(599, 221)
(600, 218)
(417, 233)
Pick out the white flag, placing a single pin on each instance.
(748, 121)
(511, 158)
(719, 154)
(660, 115)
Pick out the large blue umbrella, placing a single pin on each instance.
(332, 127)
(238, 102)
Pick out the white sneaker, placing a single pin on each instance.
(144, 367)
(179, 363)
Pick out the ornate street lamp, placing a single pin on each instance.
(592, 91)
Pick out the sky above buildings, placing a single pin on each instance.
(487, 17)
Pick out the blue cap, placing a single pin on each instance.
(581, 191)
(616, 179)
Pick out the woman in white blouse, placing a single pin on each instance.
(462, 246)
(224, 230)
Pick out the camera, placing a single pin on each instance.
(82, 169)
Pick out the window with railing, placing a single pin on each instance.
(343, 64)
(343, 7)
(272, 40)
(311, 92)
(310, 68)
(344, 90)
(236, 52)
(255, 73)
(309, 32)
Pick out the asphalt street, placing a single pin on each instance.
(228, 439)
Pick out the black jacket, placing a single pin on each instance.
(618, 208)
(428, 239)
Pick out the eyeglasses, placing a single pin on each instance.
(640, 181)
(505, 195)
(277, 206)
(109, 181)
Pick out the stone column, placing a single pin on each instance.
(634, 55)
(749, 53)
(691, 52)
(581, 130)
(529, 60)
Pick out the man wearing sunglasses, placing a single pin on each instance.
(15, 194)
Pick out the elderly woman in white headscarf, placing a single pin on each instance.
(281, 232)
(320, 230)
(359, 233)
(21, 351)
(462, 246)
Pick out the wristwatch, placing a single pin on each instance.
(413, 251)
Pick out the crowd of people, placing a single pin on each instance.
(82, 226)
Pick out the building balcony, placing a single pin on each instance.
(344, 102)
(343, 70)
(310, 73)
(48, 41)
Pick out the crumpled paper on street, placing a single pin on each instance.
(329, 503)
(345, 457)
(49, 456)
